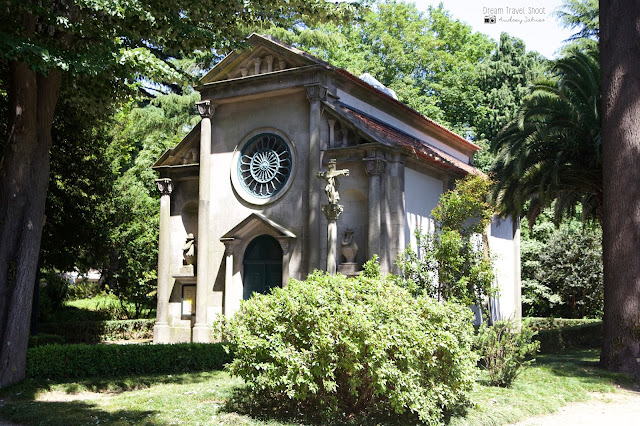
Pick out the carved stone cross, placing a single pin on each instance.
(331, 176)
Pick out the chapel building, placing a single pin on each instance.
(241, 206)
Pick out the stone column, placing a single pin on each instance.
(332, 211)
(161, 328)
(374, 166)
(201, 330)
(316, 93)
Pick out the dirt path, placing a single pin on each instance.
(620, 408)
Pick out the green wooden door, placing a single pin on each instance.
(262, 266)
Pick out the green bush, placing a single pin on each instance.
(100, 331)
(84, 289)
(562, 268)
(451, 263)
(503, 349)
(80, 361)
(53, 292)
(41, 339)
(334, 343)
(579, 336)
(542, 323)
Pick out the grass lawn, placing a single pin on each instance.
(101, 307)
(216, 398)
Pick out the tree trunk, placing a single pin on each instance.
(620, 71)
(24, 177)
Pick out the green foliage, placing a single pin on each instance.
(53, 292)
(135, 40)
(452, 263)
(587, 335)
(562, 268)
(429, 59)
(552, 151)
(371, 268)
(79, 361)
(551, 323)
(503, 78)
(350, 345)
(83, 289)
(465, 209)
(581, 15)
(100, 331)
(42, 339)
(142, 133)
(503, 350)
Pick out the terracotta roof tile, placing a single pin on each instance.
(419, 148)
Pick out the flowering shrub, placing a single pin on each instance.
(347, 345)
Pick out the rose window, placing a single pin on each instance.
(264, 165)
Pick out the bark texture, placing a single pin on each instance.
(24, 177)
(620, 79)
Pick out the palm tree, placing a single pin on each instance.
(551, 151)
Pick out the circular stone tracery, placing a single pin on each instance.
(264, 165)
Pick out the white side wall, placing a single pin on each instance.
(383, 116)
(504, 243)
(422, 193)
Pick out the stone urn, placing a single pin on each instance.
(189, 250)
(349, 247)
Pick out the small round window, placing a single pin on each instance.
(264, 165)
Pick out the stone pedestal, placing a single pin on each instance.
(332, 211)
(349, 269)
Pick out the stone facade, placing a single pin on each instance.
(244, 183)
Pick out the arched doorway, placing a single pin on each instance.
(262, 266)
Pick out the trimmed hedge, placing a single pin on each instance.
(581, 336)
(99, 331)
(80, 361)
(542, 323)
(41, 339)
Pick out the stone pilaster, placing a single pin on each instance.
(332, 125)
(231, 296)
(316, 93)
(374, 166)
(161, 329)
(269, 60)
(394, 193)
(286, 258)
(201, 329)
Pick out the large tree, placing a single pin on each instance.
(551, 151)
(110, 40)
(503, 78)
(620, 61)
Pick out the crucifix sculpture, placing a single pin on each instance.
(332, 211)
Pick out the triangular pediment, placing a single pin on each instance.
(187, 152)
(257, 223)
(263, 55)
